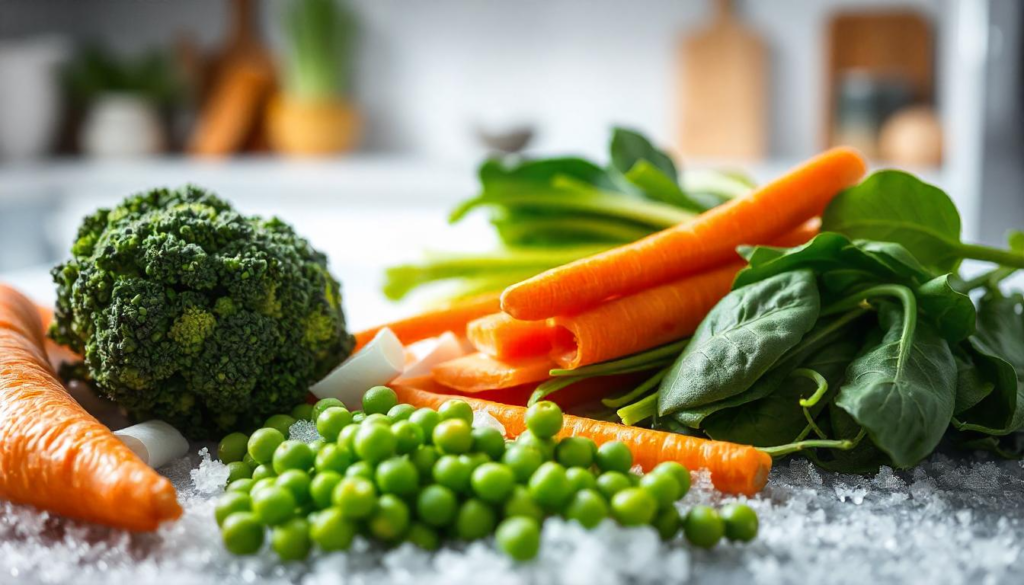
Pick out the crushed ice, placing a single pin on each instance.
(948, 521)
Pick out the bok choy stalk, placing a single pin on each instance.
(320, 37)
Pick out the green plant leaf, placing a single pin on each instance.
(903, 390)
(628, 147)
(864, 458)
(740, 340)
(497, 177)
(972, 384)
(894, 206)
(658, 186)
(950, 311)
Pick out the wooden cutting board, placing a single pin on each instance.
(723, 86)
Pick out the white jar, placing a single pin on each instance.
(121, 125)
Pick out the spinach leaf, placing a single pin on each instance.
(898, 207)
(656, 185)
(864, 458)
(950, 311)
(497, 177)
(629, 147)
(778, 418)
(740, 339)
(972, 383)
(903, 390)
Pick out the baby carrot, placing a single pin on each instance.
(707, 241)
(55, 456)
(478, 372)
(504, 337)
(735, 469)
(451, 317)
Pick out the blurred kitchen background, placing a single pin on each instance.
(362, 121)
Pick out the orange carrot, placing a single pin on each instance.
(504, 337)
(452, 317)
(735, 469)
(639, 321)
(58, 354)
(707, 241)
(478, 372)
(55, 456)
(580, 393)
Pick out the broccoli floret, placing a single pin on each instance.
(189, 312)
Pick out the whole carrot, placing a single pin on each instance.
(735, 469)
(451, 317)
(55, 456)
(707, 241)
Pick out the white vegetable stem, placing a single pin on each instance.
(379, 362)
(154, 441)
(430, 352)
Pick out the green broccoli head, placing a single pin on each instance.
(189, 312)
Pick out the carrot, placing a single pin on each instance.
(585, 391)
(55, 456)
(504, 337)
(478, 372)
(58, 354)
(708, 240)
(639, 321)
(452, 317)
(735, 469)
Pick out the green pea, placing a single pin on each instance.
(331, 421)
(519, 537)
(331, 531)
(397, 476)
(456, 409)
(317, 444)
(493, 482)
(262, 484)
(588, 507)
(523, 460)
(475, 519)
(281, 422)
(703, 526)
(667, 523)
(401, 412)
(291, 540)
(453, 473)
(390, 519)
(238, 470)
(333, 458)
(379, 400)
(521, 503)
(229, 503)
(544, 419)
(634, 507)
(436, 505)
(241, 485)
(377, 419)
(321, 488)
(741, 522)
(546, 447)
(297, 482)
(423, 536)
(358, 417)
(263, 443)
(614, 456)
(550, 486)
(360, 469)
(242, 533)
(263, 472)
(233, 447)
(347, 436)
(663, 486)
(427, 419)
(303, 411)
(453, 436)
(356, 497)
(424, 458)
(273, 505)
(323, 404)
(408, 436)
(374, 443)
(474, 460)
(575, 452)
(581, 479)
(489, 441)
(293, 455)
(248, 460)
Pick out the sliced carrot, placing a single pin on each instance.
(735, 469)
(478, 372)
(452, 317)
(707, 241)
(639, 321)
(55, 456)
(504, 337)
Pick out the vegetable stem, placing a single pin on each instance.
(555, 384)
(900, 292)
(842, 445)
(807, 404)
(656, 215)
(994, 255)
(638, 411)
(637, 392)
(650, 356)
(988, 278)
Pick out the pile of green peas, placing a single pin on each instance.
(396, 473)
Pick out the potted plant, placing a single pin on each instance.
(312, 115)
